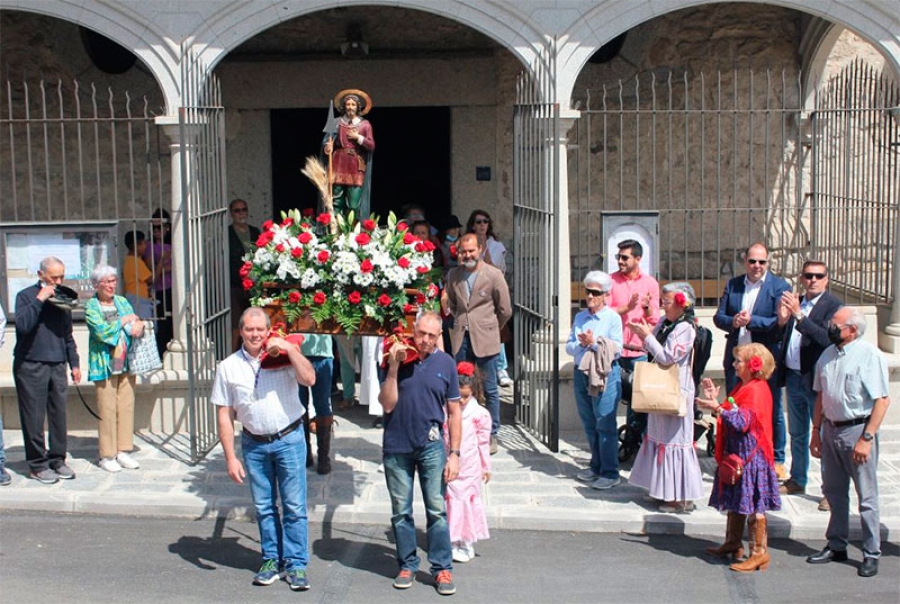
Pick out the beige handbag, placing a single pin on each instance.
(657, 389)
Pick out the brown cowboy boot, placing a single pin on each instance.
(323, 440)
(309, 454)
(734, 534)
(759, 547)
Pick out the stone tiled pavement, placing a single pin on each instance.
(531, 487)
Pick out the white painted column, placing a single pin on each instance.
(889, 340)
(176, 355)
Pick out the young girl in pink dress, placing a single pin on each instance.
(465, 507)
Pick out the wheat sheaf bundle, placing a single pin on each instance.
(315, 172)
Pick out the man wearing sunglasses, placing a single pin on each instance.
(242, 238)
(805, 321)
(748, 313)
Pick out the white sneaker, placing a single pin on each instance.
(110, 464)
(503, 378)
(127, 461)
(470, 550)
(460, 555)
(586, 476)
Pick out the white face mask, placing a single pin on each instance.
(451, 238)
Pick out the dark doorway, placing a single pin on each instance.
(411, 162)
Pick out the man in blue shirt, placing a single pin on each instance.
(416, 397)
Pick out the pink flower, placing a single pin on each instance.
(384, 300)
(323, 256)
(363, 239)
(354, 298)
(369, 224)
(319, 298)
(304, 238)
(294, 297)
(366, 266)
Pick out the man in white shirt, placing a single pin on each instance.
(267, 403)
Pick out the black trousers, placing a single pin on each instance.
(41, 389)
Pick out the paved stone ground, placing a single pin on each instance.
(531, 487)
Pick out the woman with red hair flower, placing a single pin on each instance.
(745, 429)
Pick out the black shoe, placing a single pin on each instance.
(869, 567)
(64, 472)
(827, 555)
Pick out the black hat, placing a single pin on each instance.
(452, 223)
(65, 298)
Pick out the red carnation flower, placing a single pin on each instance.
(294, 297)
(755, 364)
(267, 225)
(363, 239)
(279, 247)
(403, 262)
(429, 246)
(305, 226)
(366, 266)
(409, 238)
(354, 298)
(408, 309)
(319, 298)
(369, 224)
(308, 212)
(420, 247)
(402, 226)
(681, 300)
(465, 368)
(323, 256)
(432, 290)
(248, 284)
(264, 239)
(304, 238)
(421, 269)
(454, 253)
(245, 269)
(287, 222)
(420, 297)
(384, 300)
(324, 218)
(296, 252)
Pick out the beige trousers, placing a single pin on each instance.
(115, 406)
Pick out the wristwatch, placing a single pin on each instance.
(452, 451)
(868, 437)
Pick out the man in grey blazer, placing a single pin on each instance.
(477, 296)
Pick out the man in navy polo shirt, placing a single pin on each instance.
(416, 396)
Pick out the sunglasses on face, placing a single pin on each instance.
(239, 210)
(482, 221)
(755, 261)
(596, 293)
(811, 276)
(623, 257)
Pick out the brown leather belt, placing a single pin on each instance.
(269, 438)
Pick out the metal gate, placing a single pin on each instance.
(202, 134)
(855, 191)
(536, 251)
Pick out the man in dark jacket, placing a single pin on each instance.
(44, 344)
(805, 321)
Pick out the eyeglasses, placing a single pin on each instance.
(755, 261)
(623, 257)
(482, 221)
(108, 281)
(812, 276)
(841, 327)
(593, 292)
(239, 210)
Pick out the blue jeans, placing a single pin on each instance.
(278, 469)
(488, 368)
(598, 416)
(321, 390)
(2, 450)
(399, 472)
(801, 403)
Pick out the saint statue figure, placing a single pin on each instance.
(349, 145)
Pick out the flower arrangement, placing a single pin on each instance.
(341, 271)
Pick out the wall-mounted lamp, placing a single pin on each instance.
(354, 47)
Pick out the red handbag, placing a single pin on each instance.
(731, 469)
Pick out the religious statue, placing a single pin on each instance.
(349, 145)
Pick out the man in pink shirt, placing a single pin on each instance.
(635, 296)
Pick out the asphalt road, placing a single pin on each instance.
(93, 559)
